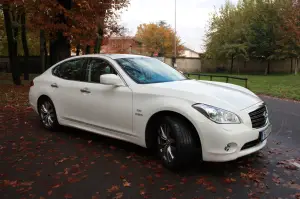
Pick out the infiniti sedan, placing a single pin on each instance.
(144, 101)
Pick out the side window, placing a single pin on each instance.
(71, 70)
(97, 67)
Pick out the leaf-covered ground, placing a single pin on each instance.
(36, 163)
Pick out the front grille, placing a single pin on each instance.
(259, 117)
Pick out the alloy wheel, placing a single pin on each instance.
(47, 114)
(166, 144)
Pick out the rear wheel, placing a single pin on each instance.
(175, 145)
(48, 114)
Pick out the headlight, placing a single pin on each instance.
(217, 115)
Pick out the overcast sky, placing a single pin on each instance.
(192, 17)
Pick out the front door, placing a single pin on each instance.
(107, 107)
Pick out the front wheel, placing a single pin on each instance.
(175, 144)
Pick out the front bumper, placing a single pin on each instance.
(229, 142)
(226, 142)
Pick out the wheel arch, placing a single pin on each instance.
(150, 137)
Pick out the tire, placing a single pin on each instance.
(176, 146)
(47, 114)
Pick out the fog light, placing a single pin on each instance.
(231, 147)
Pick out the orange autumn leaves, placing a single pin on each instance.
(158, 38)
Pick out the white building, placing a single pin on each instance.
(187, 52)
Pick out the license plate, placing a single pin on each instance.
(265, 133)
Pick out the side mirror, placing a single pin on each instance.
(111, 79)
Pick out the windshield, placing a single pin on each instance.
(144, 70)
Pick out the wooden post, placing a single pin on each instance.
(246, 84)
(211, 78)
(198, 76)
(227, 79)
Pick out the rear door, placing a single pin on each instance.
(69, 78)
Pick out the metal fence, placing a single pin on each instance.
(222, 76)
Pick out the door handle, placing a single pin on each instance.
(54, 85)
(85, 90)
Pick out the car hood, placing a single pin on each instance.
(222, 95)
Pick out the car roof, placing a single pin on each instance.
(112, 56)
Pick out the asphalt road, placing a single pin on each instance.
(35, 163)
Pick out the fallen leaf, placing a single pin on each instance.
(142, 192)
(90, 141)
(200, 181)
(112, 147)
(119, 195)
(68, 196)
(26, 183)
(113, 188)
(50, 193)
(126, 184)
(229, 190)
(56, 186)
(73, 180)
(212, 189)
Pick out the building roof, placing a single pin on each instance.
(186, 48)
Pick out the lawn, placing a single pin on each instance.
(282, 86)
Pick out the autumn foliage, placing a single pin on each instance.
(78, 20)
(64, 23)
(158, 38)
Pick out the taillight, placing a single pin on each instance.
(31, 83)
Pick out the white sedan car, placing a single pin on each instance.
(144, 101)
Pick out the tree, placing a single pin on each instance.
(254, 29)
(263, 31)
(64, 23)
(225, 38)
(12, 35)
(289, 44)
(25, 44)
(158, 38)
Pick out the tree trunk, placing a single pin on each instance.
(60, 47)
(12, 44)
(88, 49)
(25, 47)
(42, 51)
(231, 66)
(296, 67)
(292, 65)
(99, 39)
(267, 70)
(46, 54)
(77, 49)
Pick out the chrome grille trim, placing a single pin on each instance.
(259, 117)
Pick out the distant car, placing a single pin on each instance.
(147, 102)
